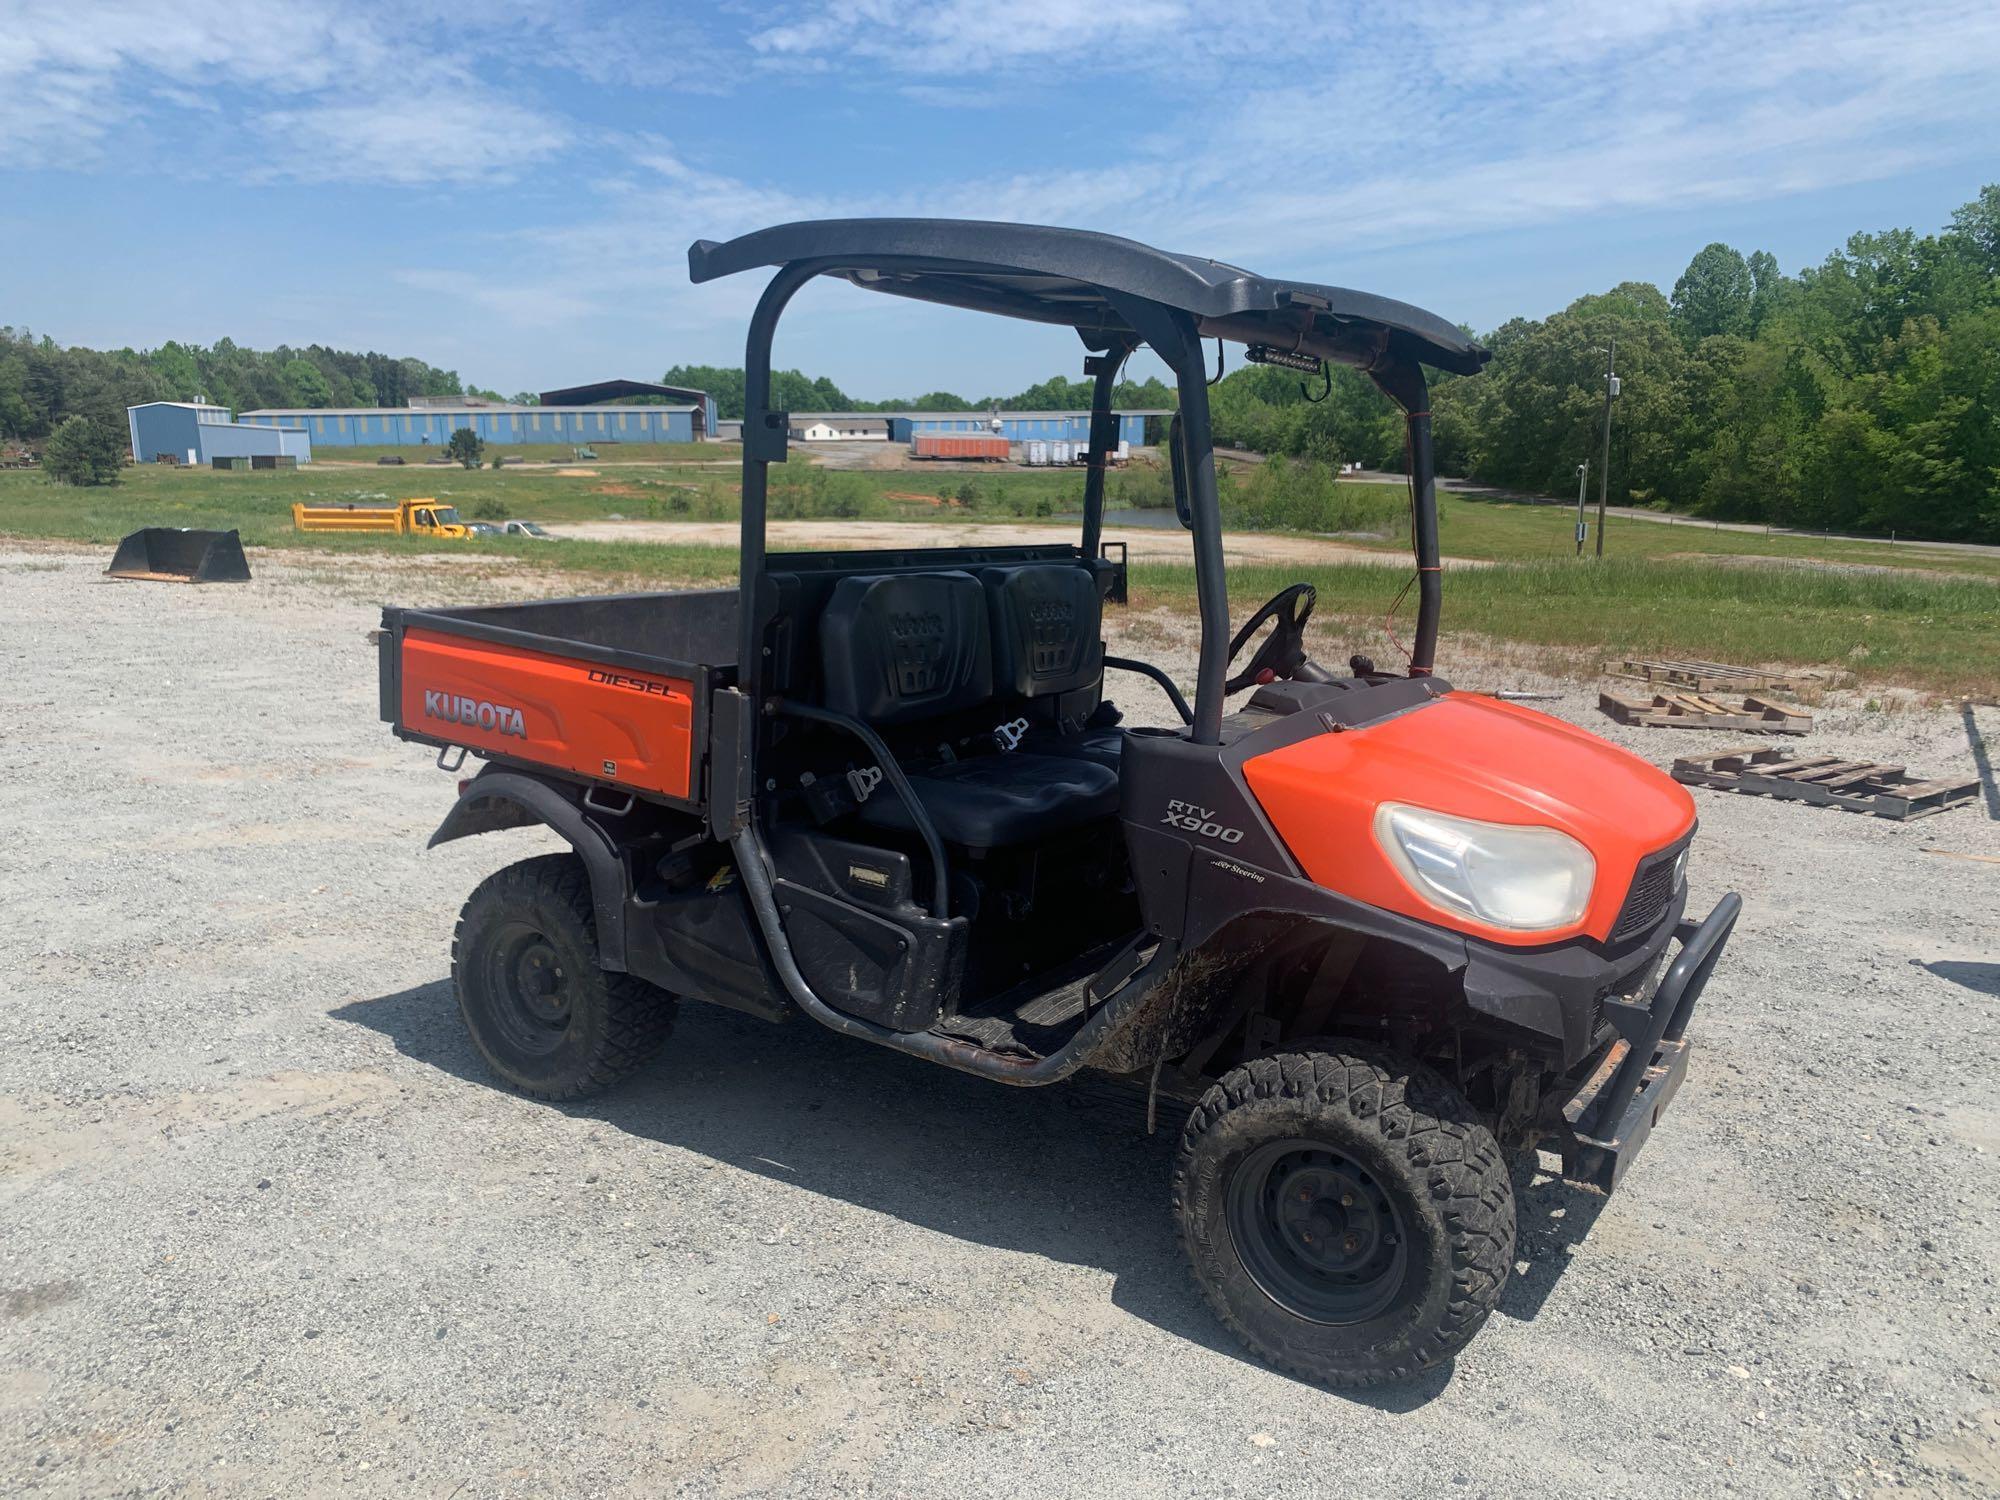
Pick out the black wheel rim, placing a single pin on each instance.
(529, 988)
(1317, 1231)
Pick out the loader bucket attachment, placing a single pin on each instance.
(175, 554)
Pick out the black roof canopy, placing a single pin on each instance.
(1063, 276)
(602, 391)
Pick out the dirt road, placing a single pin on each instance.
(1145, 543)
(267, 1229)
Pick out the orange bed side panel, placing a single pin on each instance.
(609, 723)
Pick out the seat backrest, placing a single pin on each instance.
(1047, 620)
(897, 647)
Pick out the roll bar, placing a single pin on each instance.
(1175, 334)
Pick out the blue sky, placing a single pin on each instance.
(509, 190)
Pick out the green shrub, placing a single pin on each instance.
(1144, 485)
(798, 490)
(1293, 495)
(489, 510)
(467, 447)
(84, 450)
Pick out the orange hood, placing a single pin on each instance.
(1472, 757)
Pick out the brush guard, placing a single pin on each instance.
(1612, 1114)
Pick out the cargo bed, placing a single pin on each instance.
(606, 689)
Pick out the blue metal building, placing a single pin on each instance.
(194, 433)
(1018, 426)
(417, 426)
(600, 391)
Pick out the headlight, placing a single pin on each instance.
(1504, 875)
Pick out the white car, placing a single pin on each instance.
(527, 529)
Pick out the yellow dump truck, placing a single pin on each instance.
(420, 517)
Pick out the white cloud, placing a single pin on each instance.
(341, 92)
(1380, 130)
(68, 72)
(445, 135)
(970, 36)
(1299, 129)
(1289, 135)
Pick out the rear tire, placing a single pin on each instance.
(547, 1019)
(1348, 1215)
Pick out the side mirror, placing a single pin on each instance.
(1183, 508)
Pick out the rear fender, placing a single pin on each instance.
(509, 799)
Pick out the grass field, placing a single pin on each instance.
(1887, 614)
(259, 503)
(1938, 634)
(1508, 532)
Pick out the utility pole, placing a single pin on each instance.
(1604, 469)
(1582, 480)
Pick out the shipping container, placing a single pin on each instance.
(959, 446)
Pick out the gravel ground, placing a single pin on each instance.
(265, 1228)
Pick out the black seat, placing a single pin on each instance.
(899, 649)
(1047, 625)
(1101, 747)
(997, 800)
(1047, 620)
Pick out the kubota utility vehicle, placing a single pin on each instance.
(1386, 937)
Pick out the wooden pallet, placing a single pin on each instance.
(1862, 786)
(1681, 709)
(1703, 676)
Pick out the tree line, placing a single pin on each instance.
(42, 382)
(1862, 394)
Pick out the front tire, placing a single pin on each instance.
(1348, 1215)
(547, 1019)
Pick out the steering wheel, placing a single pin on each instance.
(1283, 653)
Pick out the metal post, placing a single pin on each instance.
(1582, 481)
(1103, 439)
(1424, 526)
(762, 441)
(1604, 472)
(1211, 592)
(1404, 384)
(1172, 336)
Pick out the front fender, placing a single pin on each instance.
(496, 799)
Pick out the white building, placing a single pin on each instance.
(838, 426)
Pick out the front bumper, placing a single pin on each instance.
(1627, 1090)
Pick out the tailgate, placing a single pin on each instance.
(637, 726)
